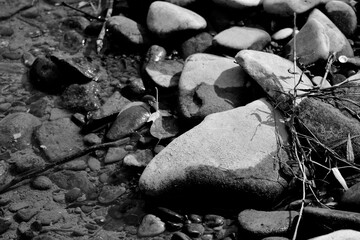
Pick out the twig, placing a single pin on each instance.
(330, 61)
(32, 173)
(100, 39)
(99, 18)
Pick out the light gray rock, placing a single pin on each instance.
(239, 4)
(274, 75)
(234, 152)
(124, 27)
(210, 84)
(283, 34)
(345, 234)
(165, 18)
(338, 42)
(165, 73)
(239, 38)
(260, 224)
(59, 139)
(288, 7)
(343, 16)
(150, 226)
(16, 130)
(318, 49)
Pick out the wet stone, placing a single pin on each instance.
(194, 230)
(171, 226)
(150, 226)
(180, 236)
(194, 218)
(26, 159)
(94, 164)
(115, 154)
(4, 225)
(92, 139)
(26, 214)
(169, 215)
(69, 179)
(49, 217)
(213, 221)
(42, 183)
(109, 194)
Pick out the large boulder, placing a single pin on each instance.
(233, 156)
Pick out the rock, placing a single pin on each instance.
(92, 139)
(276, 238)
(26, 214)
(182, 3)
(196, 44)
(26, 159)
(237, 38)
(318, 49)
(150, 226)
(10, 8)
(82, 97)
(123, 27)
(283, 34)
(57, 113)
(194, 230)
(287, 8)
(66, 179)
(338, 42)
(343, 16)
(330, 126)
(110, 193)
(212, 220)
(351, 198)
(332, 219)
(210, 84)
(42, 183)
(154, 54)
(239, 4)
(94, 164)
(194, 218)
(72, 43)
(180, 236)
(4, 223)
(271, 72)
(76, 22)
(6, 31)
(59, 138)
(260, 224)
(168, 215)
(140, 158)
(115, 154)
(16, 206)
(165, 73)
(207, 158)
(132, 117)
(317, 80)
(49, 217)
(76, 165)
(165, 19)
(16, 130)
(73, 194)
(32, 12)
(347, 234)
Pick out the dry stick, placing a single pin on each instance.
(83, 12)
(100, 40)
(33, 173)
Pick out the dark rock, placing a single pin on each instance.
(16, 130)
(76, 22)
(6, 31)
(194, 218)
(131, 118)
(213, 221)
(42, 183)
(26, 214)
(165, 73)
(59, 138)
(82, 98)
(330, 220)
(155, 53)
(343, 16)
(69, 179)
(136, 86)
(72, 41)
(110, 193)
(194, 230)
(351, 198)
(32, 12)
(4, 225)
(168, 215)
(171, 226)
(73, 194)
(46, 75)
(197, 44)
(150, 226)
(260, 224)
(180, 236)
(275, 238)
(13, 54)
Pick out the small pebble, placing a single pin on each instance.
(103, 178)
(109, 193)
(94, 164)
(194, 218)
(26, 214)
(150, 226)
(171, 226)
(86, 209)
(158, 148)
(194, 230)
(42, 183)
(49, 217)
(6, 31)
(167, 214)
(180, 236)
(92, 139)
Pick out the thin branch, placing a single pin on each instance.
(100, 40)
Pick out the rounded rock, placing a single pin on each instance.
(150, 226)
(42, 183)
